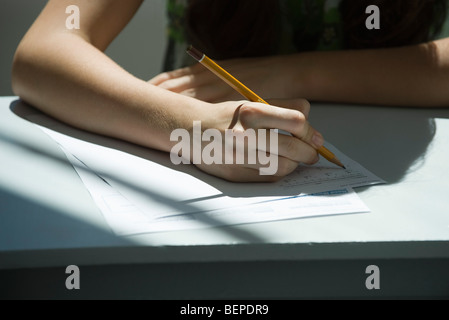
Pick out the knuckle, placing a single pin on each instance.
(298, 120)
(247, 109)
(299, 123)
(298, 117)
(248, 112)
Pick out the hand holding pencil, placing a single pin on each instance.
(246, 92)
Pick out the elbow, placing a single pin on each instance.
(18, 73)
(25, 72)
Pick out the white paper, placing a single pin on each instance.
(145, 192)
(125, 218)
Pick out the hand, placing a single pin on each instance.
(288, 115)
(269, 77)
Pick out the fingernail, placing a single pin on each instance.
(317, 140)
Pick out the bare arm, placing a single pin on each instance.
(407, 76)
(66, 74)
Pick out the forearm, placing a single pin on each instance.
(406, 76)
(68, 78)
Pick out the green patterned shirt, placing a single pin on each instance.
(322, 20)
(305, 26)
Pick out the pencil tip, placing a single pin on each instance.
(338, 163)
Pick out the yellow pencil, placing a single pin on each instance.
(246, 92)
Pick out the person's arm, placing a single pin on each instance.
(415, 76)
(66, 74)
(406, 76)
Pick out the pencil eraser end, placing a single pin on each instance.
(195, 53)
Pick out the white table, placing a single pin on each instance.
(49, 221)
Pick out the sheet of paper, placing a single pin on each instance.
(125, 218)
(145, 187)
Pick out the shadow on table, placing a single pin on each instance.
(22, 216)
(390, 142)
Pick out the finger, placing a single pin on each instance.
(185, 82)
(159, 79)
(297, 150)
(233, 173)
(203, 86)
(246, 149)
(214, 93)
(165, 76)
(257, 115)
(277, 165)
(249, 146)
(301, 105)
(236, 173)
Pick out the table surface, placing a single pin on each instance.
(47, 217)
